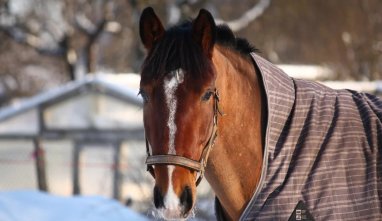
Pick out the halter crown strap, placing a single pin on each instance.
(198, 166)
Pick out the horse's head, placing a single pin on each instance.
(180, 106)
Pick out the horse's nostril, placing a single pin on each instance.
(186, 198)
(158, 198)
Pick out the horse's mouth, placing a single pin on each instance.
(174, 214)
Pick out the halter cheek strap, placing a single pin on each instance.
(191, 164)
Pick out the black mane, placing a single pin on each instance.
(225, 37)
(177, 49)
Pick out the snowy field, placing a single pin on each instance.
(37, 206)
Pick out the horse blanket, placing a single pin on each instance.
(322, 154)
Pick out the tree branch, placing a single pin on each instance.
(249, 16)
(84, 24)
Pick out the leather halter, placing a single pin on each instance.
(199, 166)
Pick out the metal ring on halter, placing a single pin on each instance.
(198, 166)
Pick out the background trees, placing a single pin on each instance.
(44, 43)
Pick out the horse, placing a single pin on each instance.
(213, 108)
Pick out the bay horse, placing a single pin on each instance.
(208, 96)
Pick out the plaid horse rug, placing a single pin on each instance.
(323, 152)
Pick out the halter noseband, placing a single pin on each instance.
(199, 166)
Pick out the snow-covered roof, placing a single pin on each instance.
(98, 82)
(96, 103)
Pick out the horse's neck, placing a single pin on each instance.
(234, 166)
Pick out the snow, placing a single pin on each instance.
(308, 72)
(39, 206)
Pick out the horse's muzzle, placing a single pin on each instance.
(170, 212)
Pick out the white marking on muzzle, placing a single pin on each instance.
(171, 200)
(172, 209)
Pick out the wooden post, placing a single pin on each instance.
(39, 155)
(76, 167)
(117, 182)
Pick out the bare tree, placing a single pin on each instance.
(70, 38)
(49, 26)
(59, 36)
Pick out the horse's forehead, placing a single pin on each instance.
(187, 80)
(175, 77)
(180, 80)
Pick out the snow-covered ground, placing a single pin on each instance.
(38, 206)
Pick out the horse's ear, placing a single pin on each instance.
(150, 28)
(204, 31)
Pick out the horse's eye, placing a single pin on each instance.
(143, 95)
(207, 96)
